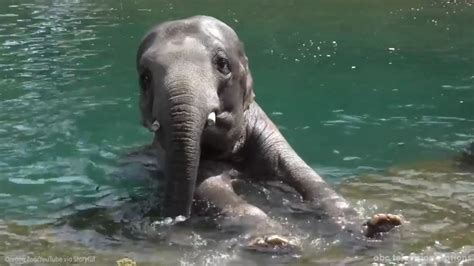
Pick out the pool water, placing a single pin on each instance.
(376, 96)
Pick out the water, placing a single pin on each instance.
(377, 97)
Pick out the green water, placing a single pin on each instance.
(356, 87)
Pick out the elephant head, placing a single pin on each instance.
(195, 86)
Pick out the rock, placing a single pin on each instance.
(126, 262)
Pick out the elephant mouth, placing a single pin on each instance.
(225, 120)
(215, 135)
(215, 122)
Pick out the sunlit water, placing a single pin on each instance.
(377, 96)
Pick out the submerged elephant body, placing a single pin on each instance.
(197, 97)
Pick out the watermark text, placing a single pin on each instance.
(420, 258)
(49, 259)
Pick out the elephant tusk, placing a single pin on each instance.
(211, 119)
(155, 126)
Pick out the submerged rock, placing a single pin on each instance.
(467, 156)
(126, 262)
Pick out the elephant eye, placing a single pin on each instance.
(145, 80)
(222, 64)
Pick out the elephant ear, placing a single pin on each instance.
(247, 83)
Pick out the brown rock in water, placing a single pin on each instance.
(126, 262)
(277, 240)
(467, 156)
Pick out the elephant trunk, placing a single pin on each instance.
(187, 118)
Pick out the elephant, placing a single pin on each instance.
(197, 98)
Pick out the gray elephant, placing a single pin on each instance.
(196, 95)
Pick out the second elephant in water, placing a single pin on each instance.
(197, 97)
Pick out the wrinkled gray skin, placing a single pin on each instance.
(189, 68)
